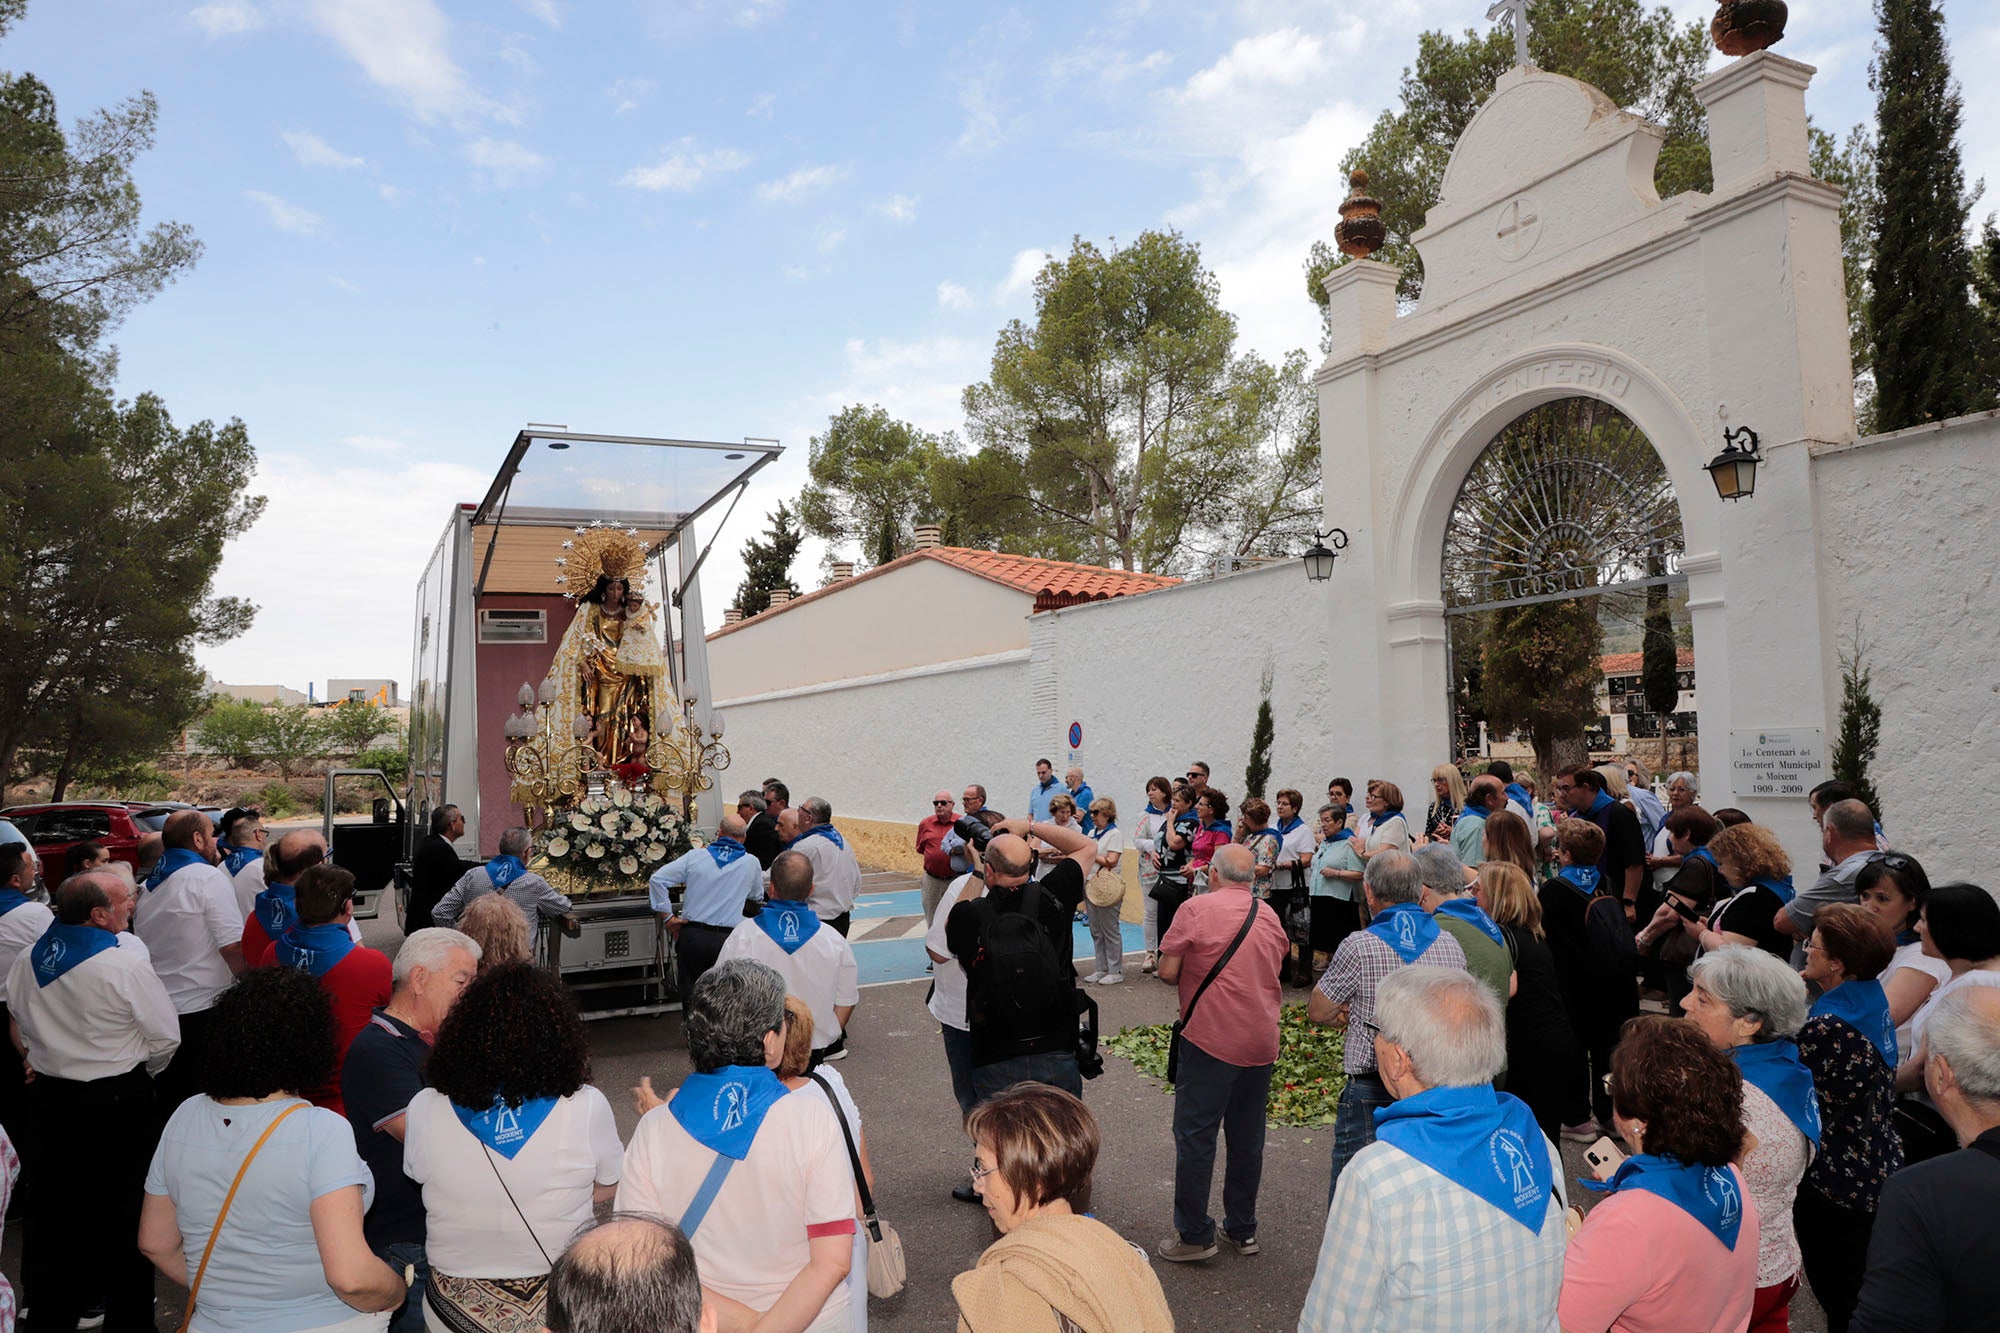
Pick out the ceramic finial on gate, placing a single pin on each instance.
(1360, 232)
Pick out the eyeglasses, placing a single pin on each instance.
(940, 802)
(980, 1173)
(1194, 776)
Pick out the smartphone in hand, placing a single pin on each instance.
(1604, 1158)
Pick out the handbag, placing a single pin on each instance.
(887, 1272)
(1106, 888)
(1174, 1036)
(194, 1288)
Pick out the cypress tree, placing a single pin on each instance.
(1921, 318)
(767, 562)
(1860, 724)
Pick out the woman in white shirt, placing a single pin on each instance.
(1961, 925)
(795, 1071)
(1106, 932)
(1146, 842)
(1895, 888)
(513, 1149)
(1387, 828)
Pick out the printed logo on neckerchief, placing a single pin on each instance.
(503, 1128)
(725, 850)
(722, 1110)
(1407, 928)
(63, 948)
(1482, 1140)
(1708, 1194)
(175, 860)
(234, 858)
(504, 870)
(788, 924)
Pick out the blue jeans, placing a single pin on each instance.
(398, 1254)
(1354, 1122)
(1213, 1095)
(1055, 1068)
(958, 1058)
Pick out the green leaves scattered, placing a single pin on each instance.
(1305, 1083)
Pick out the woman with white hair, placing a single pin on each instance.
(1751, 1005)
(1683, 789)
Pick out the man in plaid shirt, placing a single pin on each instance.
(1453, 1218)
(1400, 932)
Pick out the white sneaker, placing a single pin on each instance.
(1093, 978)
(1111, 979)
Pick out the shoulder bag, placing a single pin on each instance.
(887, 1272)
(1180, 1024)
(194, 1288)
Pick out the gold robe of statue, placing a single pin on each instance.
(611, 670)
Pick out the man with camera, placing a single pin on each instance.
(1013, 938)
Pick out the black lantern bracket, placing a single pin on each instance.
(1326, 548)
(1734, 470)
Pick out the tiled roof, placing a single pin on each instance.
(1052, 583)
(1629, 664)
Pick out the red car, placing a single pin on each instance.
(55, 828)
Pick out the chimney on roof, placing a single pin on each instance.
(779, 596)
(843, 569)
(929, 536)
(732, 615)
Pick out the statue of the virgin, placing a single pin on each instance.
(610, 669)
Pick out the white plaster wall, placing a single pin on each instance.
(926, 611)
(877, 749)
(1910, 547)
(1168, 677)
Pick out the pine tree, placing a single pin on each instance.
(1920, 310)
(1860, 724)
(767, 562)
(1262, 732)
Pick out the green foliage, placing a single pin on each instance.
(1860, 723)
(276, 800)
(870, 482)
(234, 730)
(1541, 675)
(767, 562)
(1931, 358)
(1851, 166)
(128, 781)
(291, 735)
(394, 763)
(353, 727)
(1262, 733)
(1305, 1083)
(1659, 669)
(1121, 427)
(1641, 59)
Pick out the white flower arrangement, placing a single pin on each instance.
(615, 836)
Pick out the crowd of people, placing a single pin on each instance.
(1773, 1086)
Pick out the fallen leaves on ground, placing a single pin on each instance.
(1305, 1083)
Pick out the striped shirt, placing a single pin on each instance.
(1407, 1248)
(1358, 966)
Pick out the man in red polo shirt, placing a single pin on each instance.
(930, 846)
(356, 979)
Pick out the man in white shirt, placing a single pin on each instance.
(22, 922)
(836, 874)
(188, 919)
(94, 1022)
(815, 961)
(241, 849)
(947, 1006)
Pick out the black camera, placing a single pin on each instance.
(975, 830)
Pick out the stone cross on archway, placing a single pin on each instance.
(1519, 9)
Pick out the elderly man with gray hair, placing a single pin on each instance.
(836, 874)
(756, 1180)
(506, 873)
(1934, 1257)
(1400, 933)
(1451, 1219)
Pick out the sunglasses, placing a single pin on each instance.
(940, 802)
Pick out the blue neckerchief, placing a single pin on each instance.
(725, 850)
(1258, 833)
(1863, 1006)
(1600, 803)
(11, 899)
(1099, 833)
(314, 950)
(1703, 854)
(1708, 1194)
(503, 1128)
(504, 870)
(62, 947)
(1222, 824)
(721, 1111)
(1908, 937)
(1584, 879)
(1347, 809)
(1467, 910)
(1046, 785)
(176, 859)
(827, 831)
(1484, 1140)
(1407, 928)
(1341, 836)
(1780, 885)
(235, 858)
(1152, 809)
(1474, 812)
(1775, 1069)
(276, 910)
(789, 924)
(1389, 813)
(1516, 792)
(1285, 826)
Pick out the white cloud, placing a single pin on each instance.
(829, 241)
(226, 18)
(951, 296)
(1020, 279)
(627, 93)
(391, 194)
(313, 151)
(403, 46)
(505, 162)
(898, 208)
(801, 182)
(684, 167)
(1103, 65)
(374, 444)
(344, 285)
(1285, 58)
(751, 13)
(981, 105)
(920, 381)
(548, 11)
(285, 216)
(761, 105)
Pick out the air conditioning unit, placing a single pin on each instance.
(505, 626)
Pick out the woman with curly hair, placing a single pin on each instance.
(1752, 860)
(1675, 1246)
(500, 929)
(288, 1253)
(512, 1147)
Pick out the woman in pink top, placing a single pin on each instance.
(1215, 830)
(1674, 1249)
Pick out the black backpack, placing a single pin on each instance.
(1614, 952)
(1022, 984)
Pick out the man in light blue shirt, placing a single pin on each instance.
(1045, 788)
(1468, 835)
(715, 881)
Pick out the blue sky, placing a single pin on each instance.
(430, 221)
